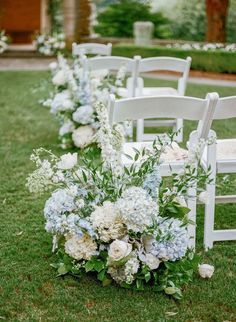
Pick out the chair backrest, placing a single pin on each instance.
(91, 48)
(225, 108)
(169, 64)
(188, 108)
(165, 63)
(114, 63)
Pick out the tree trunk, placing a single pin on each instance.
(216, 20)
(83, 19)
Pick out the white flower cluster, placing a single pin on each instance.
(80, 248)
(110, 150)
(107, 222)
(49, 45)
(205, 47)
(138, 210)
(3, 41)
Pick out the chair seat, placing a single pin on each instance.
(153, 91)
(172, 160)
(150, 91)
(225, 156)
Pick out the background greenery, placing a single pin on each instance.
(184, 20)
(212, 61)
(118, 18)
(29, 289)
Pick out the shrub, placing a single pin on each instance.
(214, 61)
(117, 20)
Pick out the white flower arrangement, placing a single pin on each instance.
(120, 222)
(73, 100)
(4, 40)
(50, 45)
(204, 46)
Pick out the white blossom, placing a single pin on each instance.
(206, 271)
(83, 136)
(67, 161)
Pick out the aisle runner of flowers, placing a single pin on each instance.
(4, 40)
(123, 224)
(76, 91)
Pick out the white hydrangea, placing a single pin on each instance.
(67, 127)
(67, 161)
(59, 79)
(126, 272)
(169, 242)
(62, 102)
(138, 210)
(131, 268)
(80, 248)
(107, 222)
(84, 114)
(83, 136)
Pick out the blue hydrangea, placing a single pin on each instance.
(172, 241)
(60, 218)
(152, 182)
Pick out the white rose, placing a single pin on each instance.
(59, 79)
(119, 250)
(83, 136)
(53, 65)
(67, 161)
(205, 270)
(204, 197)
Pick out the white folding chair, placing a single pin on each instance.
(91, 48)
(221, 157)
(188, 108)
(181, 66)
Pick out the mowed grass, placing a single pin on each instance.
(29, 289)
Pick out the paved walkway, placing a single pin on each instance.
(10, 64)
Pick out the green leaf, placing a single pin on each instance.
(101, 275)
(139, 285)
(106, 281)
(170, 290)
(62, 270)
(147, 276)
(98, 265)
(89, 266)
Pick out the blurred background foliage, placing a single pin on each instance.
(177, 20)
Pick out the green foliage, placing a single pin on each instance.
(56, 17)
(189, 22)
(29, 289)
(118, 19)
(211, 61)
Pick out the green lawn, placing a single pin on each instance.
(29, 289)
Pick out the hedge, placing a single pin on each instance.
(211, 61)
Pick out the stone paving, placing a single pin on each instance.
(11, 64)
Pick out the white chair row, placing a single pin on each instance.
(188, 108)
(135, 84)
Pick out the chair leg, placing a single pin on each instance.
(192, 205)
(209, 217)
(211, 191)
(140, 130)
